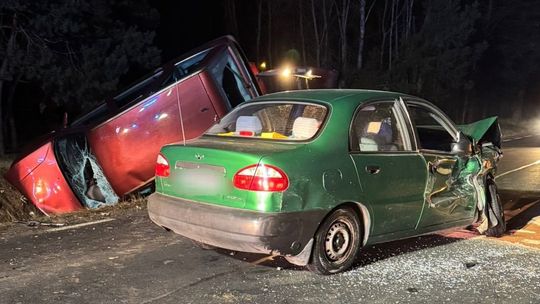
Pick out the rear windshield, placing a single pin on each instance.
(272, 121)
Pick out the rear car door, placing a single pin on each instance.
(391, 173)
(449, 193)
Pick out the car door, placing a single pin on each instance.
(449, 193)
(391, 173)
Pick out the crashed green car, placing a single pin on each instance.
(315, 175)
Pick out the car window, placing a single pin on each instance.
(430, 129)
(228, 75)
(272, 121)
(375, 128)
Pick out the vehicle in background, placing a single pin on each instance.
(110, 151)
(297, 78)
(315, 175)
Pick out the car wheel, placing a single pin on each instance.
(203, 245)
(336, 243)
(495, 208)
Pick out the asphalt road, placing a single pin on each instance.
(127, 259)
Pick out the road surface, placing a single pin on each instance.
(127, 259)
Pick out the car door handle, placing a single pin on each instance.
(371, 169)
(204, 110)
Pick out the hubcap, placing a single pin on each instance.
(337, 241)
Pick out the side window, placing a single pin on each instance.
(430, 130)
(227, 74)
(376, 128)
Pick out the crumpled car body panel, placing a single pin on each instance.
(40, 179)
(110, 151)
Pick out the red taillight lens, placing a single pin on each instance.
(162, 166)
(261, 178)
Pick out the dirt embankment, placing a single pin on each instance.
(13, 205)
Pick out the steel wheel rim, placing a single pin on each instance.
(338, 241)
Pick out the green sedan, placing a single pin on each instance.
(315, 175)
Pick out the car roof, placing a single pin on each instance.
(331, 96)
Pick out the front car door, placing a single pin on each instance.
(449, 195)
(391, 173)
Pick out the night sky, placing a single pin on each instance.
(185, 25)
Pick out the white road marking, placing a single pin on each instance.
(81, 225)
(517, 169)
(525, 231)
(516, 138)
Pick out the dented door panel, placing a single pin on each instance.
(450, 193)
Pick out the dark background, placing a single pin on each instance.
(471, 58)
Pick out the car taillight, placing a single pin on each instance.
(162, 166)
(261, 178)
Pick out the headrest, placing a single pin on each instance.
(304, 127)
(248, 123)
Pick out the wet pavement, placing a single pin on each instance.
(127, 259)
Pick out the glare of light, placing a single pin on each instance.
(39, 188)
(263, 65)
(309, 73)
(169, 93)
(125, 130)
(117, 130)
(286, 72)
(160, 116)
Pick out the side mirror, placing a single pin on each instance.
(463, 146)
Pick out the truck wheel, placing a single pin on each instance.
(495, 208)
(336, 243)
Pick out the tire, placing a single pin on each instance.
(336, 243)
(494, 205)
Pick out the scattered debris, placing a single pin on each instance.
(36, 224)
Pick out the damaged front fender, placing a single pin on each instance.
(484, 131)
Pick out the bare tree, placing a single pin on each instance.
(232, 21)
(269, 38)
(316, 34)
(343, 8)
(302, 37)
(259, 19)
(362, 12)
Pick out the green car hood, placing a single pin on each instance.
(485, 130)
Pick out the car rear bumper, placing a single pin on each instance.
(287, 234)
